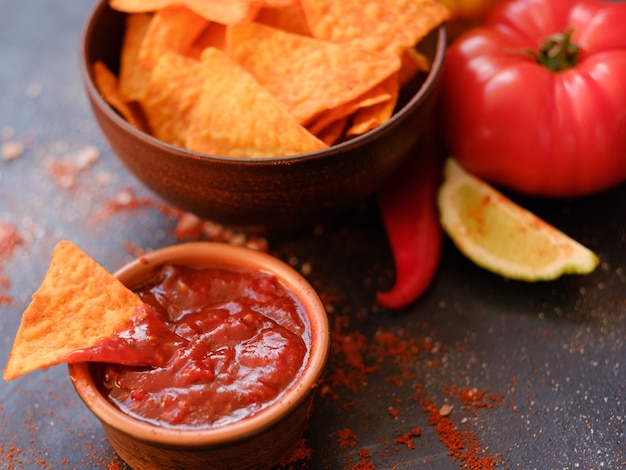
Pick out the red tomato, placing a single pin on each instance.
(515, 122)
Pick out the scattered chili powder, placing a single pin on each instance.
(403, 357)
(5, 285)
(9, 240)
(471, 397)
(364, 465)
(300, 455)
(346, 438)
(463, 446)
(126, 200)
(349, 347)
(188, 226)
(30, 455)
(407, 438)
(64, 173)
(191, 227)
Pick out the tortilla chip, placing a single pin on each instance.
(370, 117)
(276, 3)
(214, 35)
(306, 75)
(107, 85)
(225, 12)
(140, 6)
(376, 95)
(333, 131)
(237, 117)
(173, 91)
(390, 25)
(288, 18)
(77, 305)
(133, 75)
(172, 29)
(413, 62)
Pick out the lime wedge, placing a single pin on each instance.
(499, 235)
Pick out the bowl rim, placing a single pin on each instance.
(210, 254)
(421, 95)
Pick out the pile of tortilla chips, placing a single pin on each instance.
(265, 78)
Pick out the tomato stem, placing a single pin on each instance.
(558, 52)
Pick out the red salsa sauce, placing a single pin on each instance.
(238, 340)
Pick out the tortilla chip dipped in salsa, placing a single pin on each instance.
(79, 313)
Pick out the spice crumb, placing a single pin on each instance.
(87, 156)
(346, 438)
(445, 410)
(299, 455)
(12, 150)
(306, 268)
(9, 240)
(407, 438)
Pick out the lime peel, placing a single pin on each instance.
(499, 235)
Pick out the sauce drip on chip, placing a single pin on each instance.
(318, 72)
(77, 308)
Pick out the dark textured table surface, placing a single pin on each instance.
(532, 374)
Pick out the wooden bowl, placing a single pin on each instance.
(261, 194)
(258, 441)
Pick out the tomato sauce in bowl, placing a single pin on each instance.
(241, 341)
(237, 342)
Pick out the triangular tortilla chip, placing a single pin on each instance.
(173, 91)
(107, 84)
(77, 305)
(413, 62)
(214, 35)
(237, 117)
(226, 12)
(390, 25)
(333, 131)
(172, 29)
(369, 117)
(133, 75)
(288, 18)
(376, 95)
(307, 75)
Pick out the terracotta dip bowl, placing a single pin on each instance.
(258, 440)
(268, 194)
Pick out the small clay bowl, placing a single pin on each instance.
(258, 441)
(270, 194)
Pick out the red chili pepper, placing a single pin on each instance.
(408, 207)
